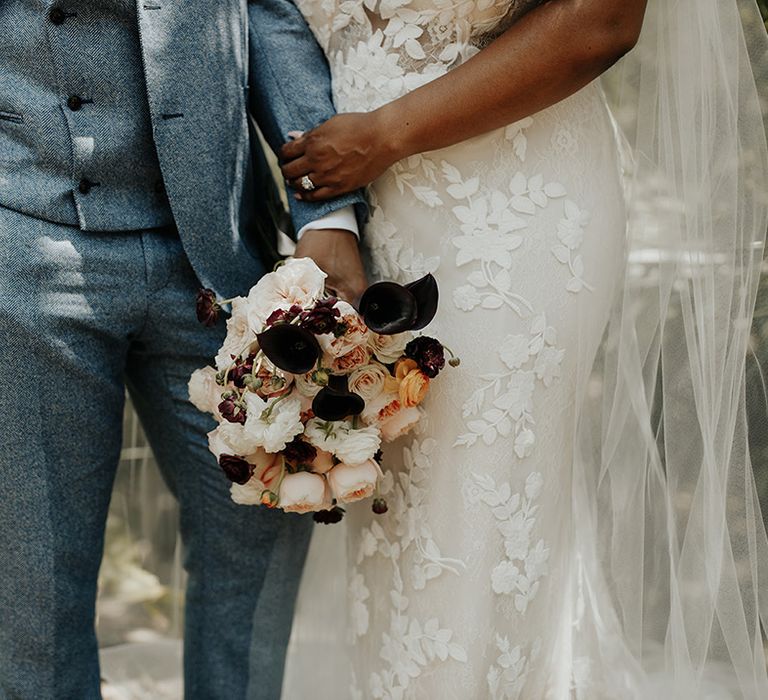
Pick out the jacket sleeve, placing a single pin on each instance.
(290, 89)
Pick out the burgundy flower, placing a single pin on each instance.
(428, 354)
(283, 316)
(300, 452)
(242, 368)
(207, 307)
(322, 318)
(236, 468)
(231, 411)
(328, 517)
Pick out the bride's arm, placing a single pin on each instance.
(551, 53)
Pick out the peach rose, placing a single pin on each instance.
(413, 388)
(389, 348)
(356, 333)
(204, 392)
(399, 423)
(322, 463)
(358, 356)
(304, 492)
(368, 381)
(353, 482)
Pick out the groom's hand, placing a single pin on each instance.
(336, 252)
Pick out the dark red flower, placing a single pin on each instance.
(231, 411)
(242, 368)
(300, 452)
(236, 468)
(428, 354)
(322, 318)
(283, 316)
(207, 307)
(328, 517)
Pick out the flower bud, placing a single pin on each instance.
(379, 506)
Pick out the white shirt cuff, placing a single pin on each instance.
(342, 219)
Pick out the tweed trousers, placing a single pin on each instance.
(83, 315)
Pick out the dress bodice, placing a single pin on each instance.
(380, 49)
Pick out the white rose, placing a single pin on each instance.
(249, 493)
(357, 332)
(231, 439)
(359, 445)
(353, 482)
(282, 424)
(204, 392)
(304, 492)
(389, 348)
(368, 381)
(298, 282)
(326, 435)
(239, 334)
(305, 386)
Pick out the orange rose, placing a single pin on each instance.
(403, 367)
(413, 388)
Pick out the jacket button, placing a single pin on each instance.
(74, 102)
(84, 186)
(57, 15)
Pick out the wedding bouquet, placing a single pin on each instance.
(306, 388)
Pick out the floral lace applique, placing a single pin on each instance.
(506, 678)
(404, 537)
(570, 232)
(528, 359)
(492, 224)
(518, 574)
(391, 257)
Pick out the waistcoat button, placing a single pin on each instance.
(84, 186)
(74, 102)
(57, 15)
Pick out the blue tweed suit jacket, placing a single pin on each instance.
(208, 65)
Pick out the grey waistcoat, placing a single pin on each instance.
(97, 167)
(173, 77)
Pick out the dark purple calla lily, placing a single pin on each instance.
(291, 348)
(389, 308)
(336, 402)
(426, 293)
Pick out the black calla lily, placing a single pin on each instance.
(289, 347)
(336, 402)
(426, 293)
(389, 308)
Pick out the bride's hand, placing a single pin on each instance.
(345, 153)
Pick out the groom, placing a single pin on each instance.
(129, 178)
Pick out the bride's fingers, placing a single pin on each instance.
(298, 185)
(296, 168)
(317, 195)
(293, 149)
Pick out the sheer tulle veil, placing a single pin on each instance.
(670, 579)
(664, 488)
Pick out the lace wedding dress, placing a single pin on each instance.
(475, 584)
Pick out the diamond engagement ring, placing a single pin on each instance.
(307, 184)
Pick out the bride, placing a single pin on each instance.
(577, 518)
